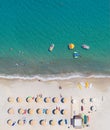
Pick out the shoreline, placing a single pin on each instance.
(93, 82)
(56, 77)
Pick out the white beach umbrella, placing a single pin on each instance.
(93, 108)
(74, 101)
(92, 99)
(84, 100)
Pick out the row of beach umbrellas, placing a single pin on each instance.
(39, 99)
(38, 111)
(90, 100)
(33, 122)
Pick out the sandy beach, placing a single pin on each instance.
(62, 99)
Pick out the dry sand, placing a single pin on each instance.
(69, 88)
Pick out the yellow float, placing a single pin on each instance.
(71, 46)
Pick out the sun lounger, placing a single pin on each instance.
(14, 123)
(44, 111)
(66, 121)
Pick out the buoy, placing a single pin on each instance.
(71, 46)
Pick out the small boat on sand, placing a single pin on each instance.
(51, 47)
(84, 46)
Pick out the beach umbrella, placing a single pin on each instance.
(39, 111)
(10, 99)
(71, 46)
(21, 111)
(43, 122)
(93, 108)
(19, 99)
(55, 111)
(30, 111)
(29, 99)
(64, 100)
(61, 122)
(73, 101)
(64, 112)
(38, 99)
(9, 122)
(52, 122)
(48, 111)
(32, 122)
(92, 99)
(20, 122)
(83, 101)
(47, 99)
(10, 111)
(55, 100)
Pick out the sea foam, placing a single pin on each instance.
(53, 77)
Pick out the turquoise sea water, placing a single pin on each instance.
(28, 27)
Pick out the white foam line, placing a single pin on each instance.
(53, 77)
